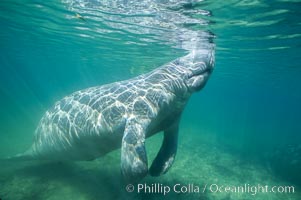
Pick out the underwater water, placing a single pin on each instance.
(242, 129)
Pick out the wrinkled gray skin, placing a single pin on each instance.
(92, 122)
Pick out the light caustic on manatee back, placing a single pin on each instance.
(92, 122)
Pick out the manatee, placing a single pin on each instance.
(93, 122)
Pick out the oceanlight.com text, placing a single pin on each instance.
(159, 188)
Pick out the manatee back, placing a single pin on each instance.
(81, 125)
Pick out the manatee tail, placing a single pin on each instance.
(26, 156)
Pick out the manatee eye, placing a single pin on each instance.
(177, 62)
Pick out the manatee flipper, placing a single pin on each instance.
(167, 153)
(133, 154)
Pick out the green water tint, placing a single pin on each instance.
(207, 163)
(243, 128)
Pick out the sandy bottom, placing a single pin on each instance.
(200, 163)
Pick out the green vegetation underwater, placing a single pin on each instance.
(239, 137)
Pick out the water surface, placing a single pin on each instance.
(243, 127)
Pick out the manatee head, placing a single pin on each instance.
(196, 68)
